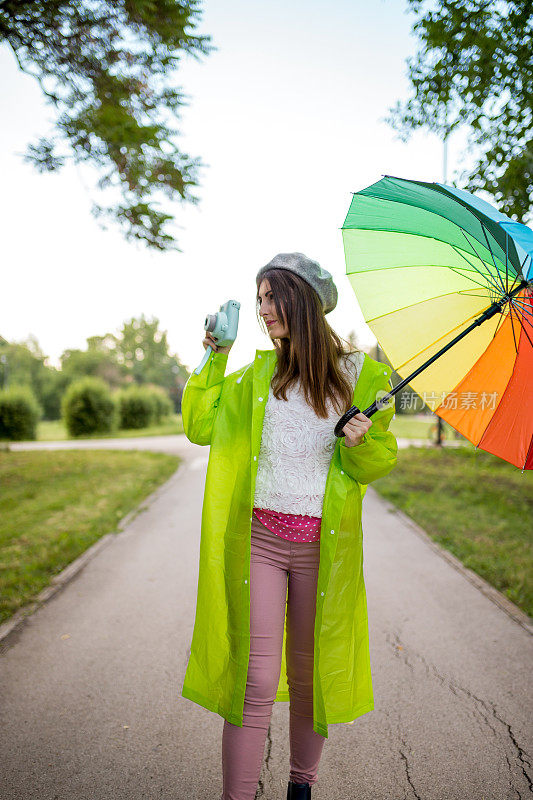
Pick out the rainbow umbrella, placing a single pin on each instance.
(445, 282)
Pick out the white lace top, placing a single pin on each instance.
(296, 450)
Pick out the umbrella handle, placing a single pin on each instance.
(344, 419)
(379, 404)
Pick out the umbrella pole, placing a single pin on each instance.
(383, 402)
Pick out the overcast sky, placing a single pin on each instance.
(287, 114)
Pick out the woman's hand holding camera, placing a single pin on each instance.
(356, 428)
(210, 342)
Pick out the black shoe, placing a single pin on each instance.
(298, 791)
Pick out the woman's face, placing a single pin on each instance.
(276, 328)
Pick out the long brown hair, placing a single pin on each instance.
(312, 351)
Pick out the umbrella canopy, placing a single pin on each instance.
(425, 261)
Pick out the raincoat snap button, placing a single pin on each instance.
(245, 580)
(385, 372)
(342, 472)
(332, 531)
(255, 458)
(322, 593)
(259, 356)
(259, 398)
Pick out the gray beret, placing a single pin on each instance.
(311, 271)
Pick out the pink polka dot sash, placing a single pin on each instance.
(293, 527)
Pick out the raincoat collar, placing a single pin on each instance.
(265, 364)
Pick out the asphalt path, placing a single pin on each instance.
(90, 703)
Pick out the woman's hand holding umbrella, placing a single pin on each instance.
(356, 428)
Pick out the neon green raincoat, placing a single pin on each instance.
(226, 412)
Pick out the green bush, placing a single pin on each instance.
(164, 406)
(137, 407)
(88, 407)
(20, 412)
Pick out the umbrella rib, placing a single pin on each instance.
(527, 334)
(496, 283)
(492, 256)
(484, 262)
(512, 326)
(522, 265)
(502, 317)
(485, 231)
(484, 276)
(522, 275)
(524, 329)
(458, 271)
(527, 316)
(466, 293)
(516, 278)
(526, 308)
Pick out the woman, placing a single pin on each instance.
(281, 605)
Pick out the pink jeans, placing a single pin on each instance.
(273, 560)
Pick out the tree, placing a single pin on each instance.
(98, 362)
(144, 350)
(474, 67)
(23, 364)
(108, 68)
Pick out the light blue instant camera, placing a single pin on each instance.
(223, 328)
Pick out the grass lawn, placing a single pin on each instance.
(55, 504)
(477, 506)
(407, 426)
(54, 431)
